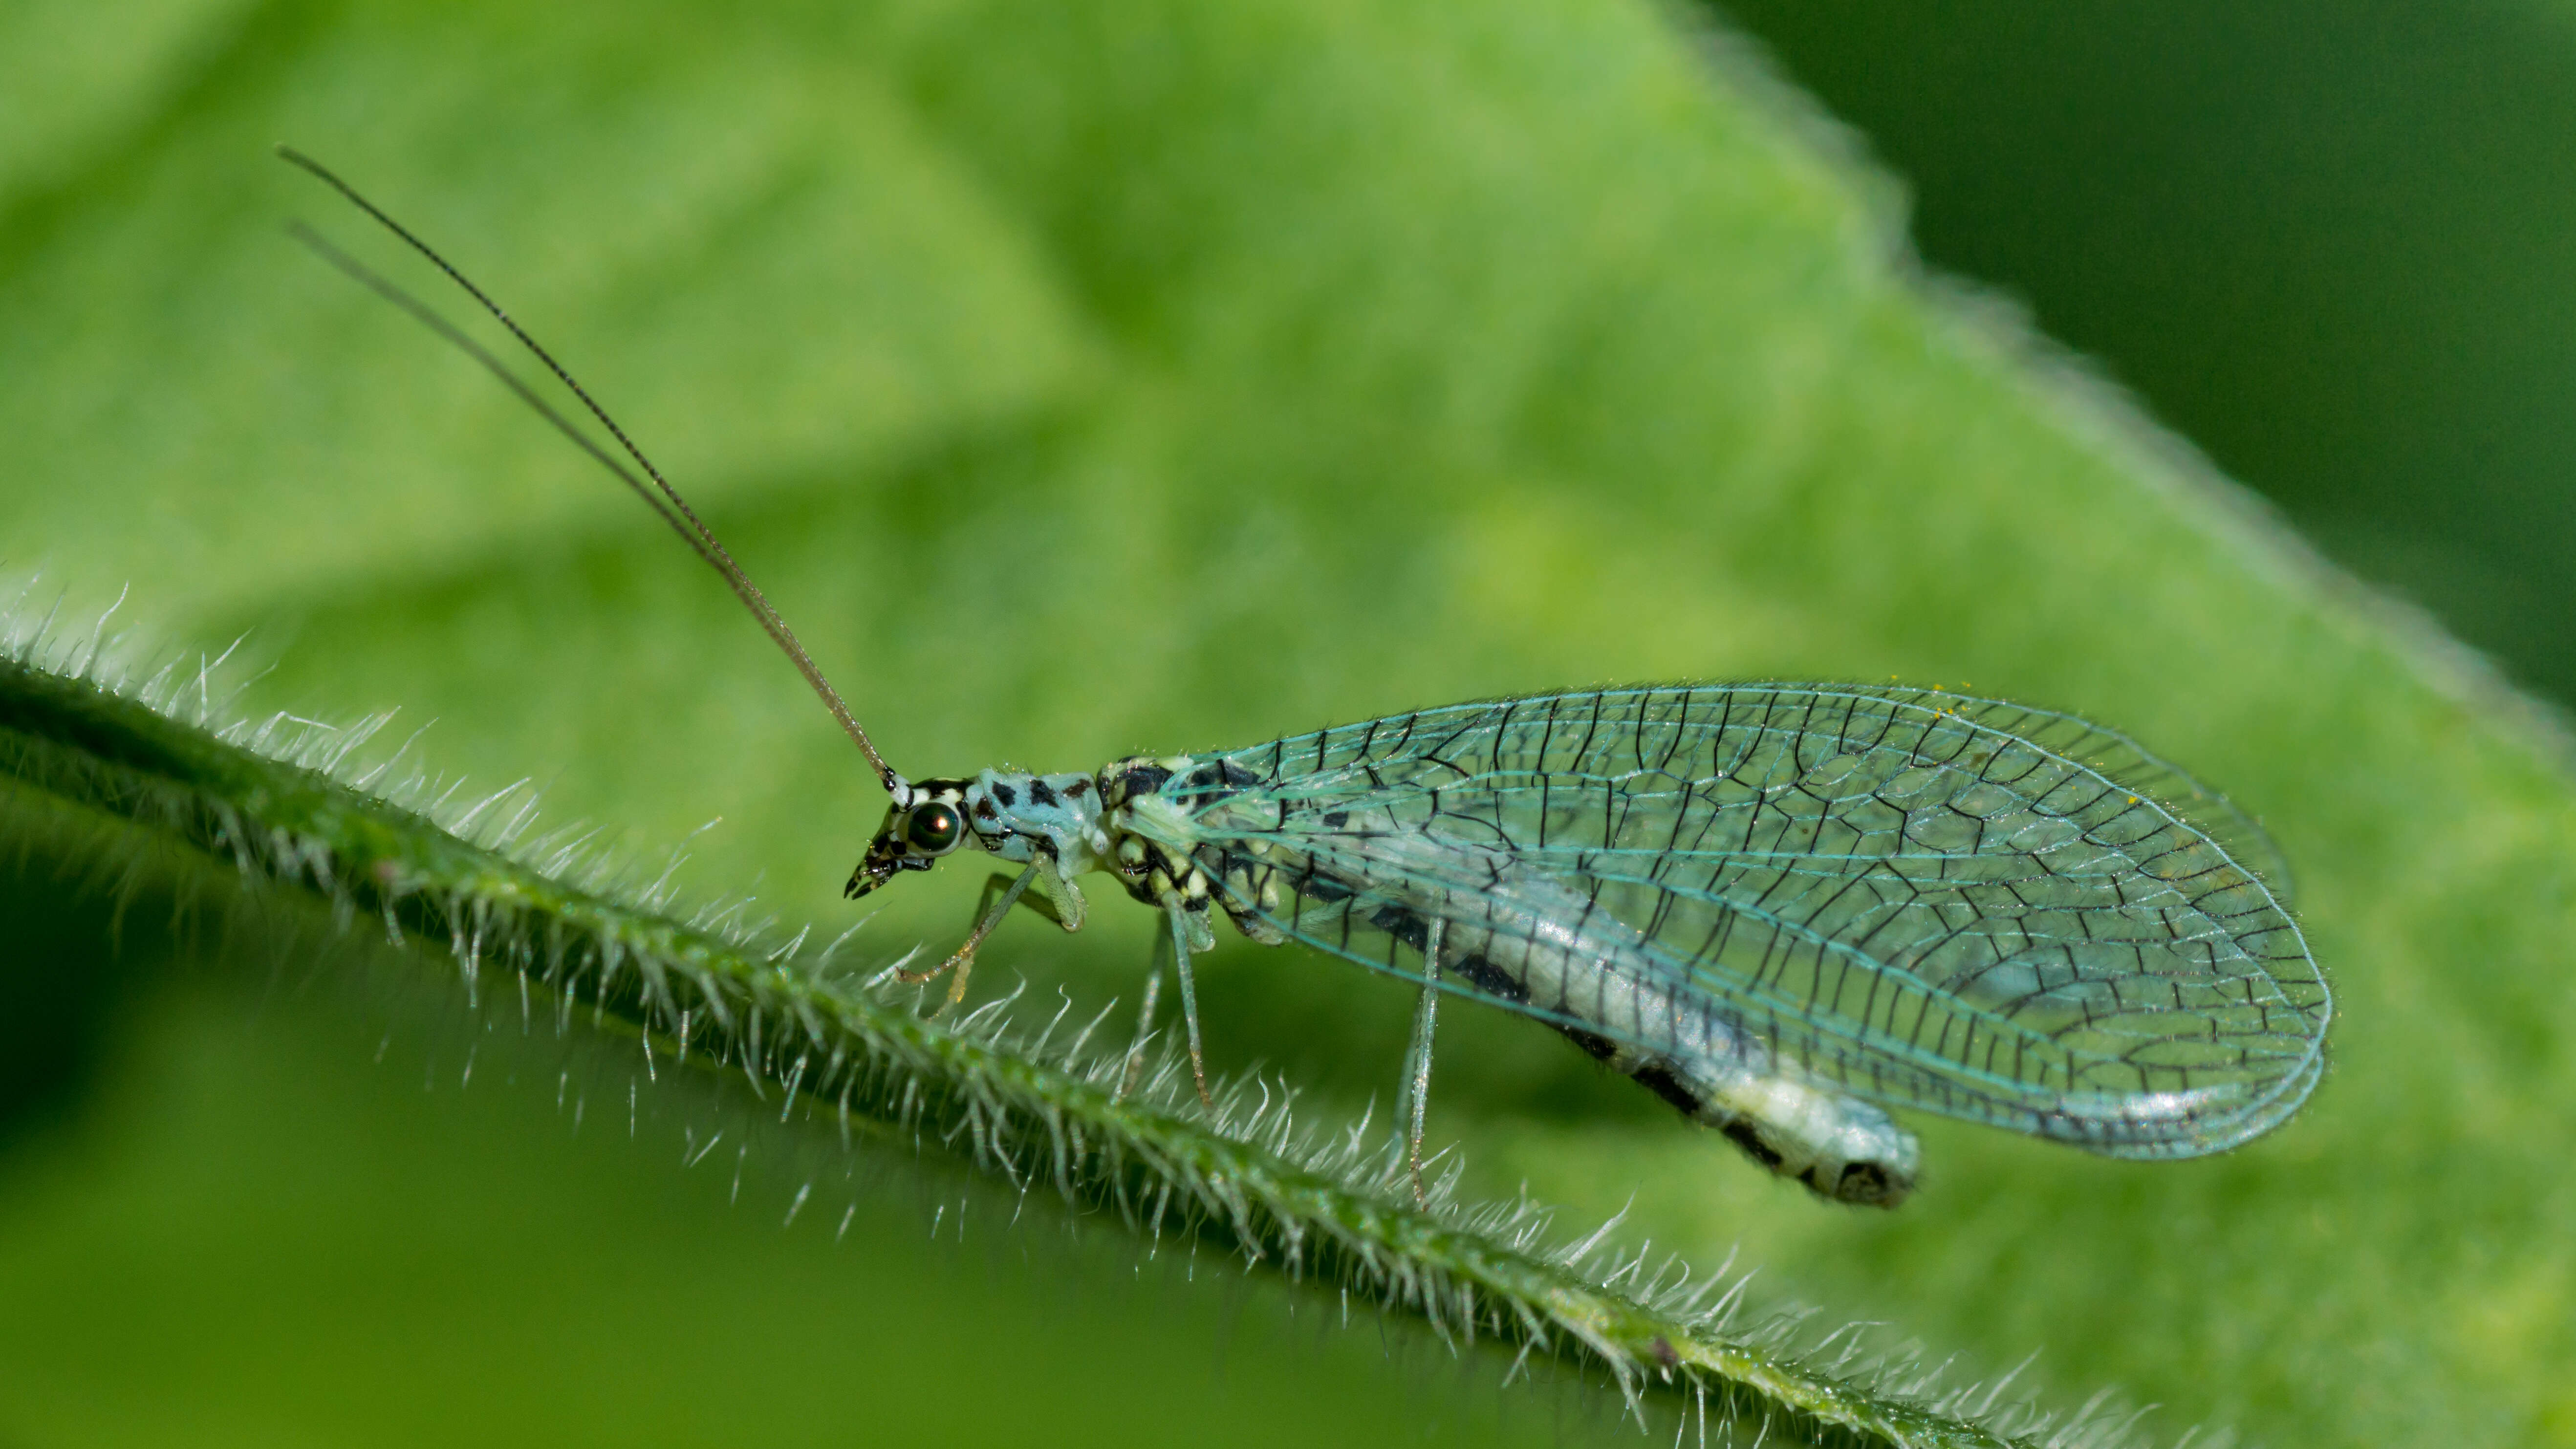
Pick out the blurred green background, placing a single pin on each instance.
(2332, 244)
(1088, 379)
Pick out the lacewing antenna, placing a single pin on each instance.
(659, 495)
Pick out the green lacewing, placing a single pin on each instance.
(1784, 908)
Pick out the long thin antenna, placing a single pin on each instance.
(660, 496)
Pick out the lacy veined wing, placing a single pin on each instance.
(1911, 897)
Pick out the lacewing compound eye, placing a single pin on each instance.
(934, 829)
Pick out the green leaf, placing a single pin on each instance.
(1148, 376)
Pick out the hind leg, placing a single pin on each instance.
(1181, 920)
(1413, 1096)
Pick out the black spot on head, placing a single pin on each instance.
(984, 810)
(1039, 794)
(1006, 795)
(1658, 1078)
(1742, 1135)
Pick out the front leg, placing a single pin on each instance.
(988, 913)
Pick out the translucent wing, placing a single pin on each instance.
(1969, 907)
